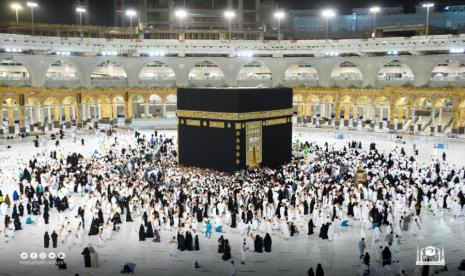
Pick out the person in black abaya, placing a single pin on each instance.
(100, 217)
(46, 240)
(196, 243)
(46, 216)
(15, 211)
(81, 214)
(199, 214)
(145, 218)
(258, 244)
(249, 216)
(17, 223)
(181, 242)
(94, 227)
(227, 251)
(128, 215)
(366, 259)
(221, 245)
(64, 204)
(21, 209)
(310, 272)
(149, 231)
(35, 208)
(267, 242)
(292, 229)
(116, 219)
(141, 233)
(7, 221)
(319, 270)
(29, 208)
(86, 254)
(350, 209)
(189, 241)
(54, 237)
(324, 231)
(386, 256)
(425, 270)
(233, 220)
(156, 236)
(311, 226)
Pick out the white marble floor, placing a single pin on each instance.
(291, 257)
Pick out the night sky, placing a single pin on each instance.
(101, 11)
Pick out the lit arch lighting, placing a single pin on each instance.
(11, 70)
(108, 70)
(301, 74)
(61, 70)
(452, 71)
(254, 74)
(157, 70)
(206, 71)
(395, 71)
(347, 71)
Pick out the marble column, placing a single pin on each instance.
(89, 113)
(381, 116)
(49, 117)
(367, 115)
(1, 119)
(57, 116)
(127, 113)
(32, 119)
(400, 115)
(408, 112)
(146, 109)
(329, 111)
(99, 112)
(11, 119)
(67, 116)
(40, 117)
(164, 110)
(337, 110)
(78, 114)
(440, 120)
(433, 115)
(455, 118)
(346, 114)
(391, 114)
(355, 116)
(22, 120)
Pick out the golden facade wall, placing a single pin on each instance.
(402, 100)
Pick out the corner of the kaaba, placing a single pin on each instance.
(234, 128)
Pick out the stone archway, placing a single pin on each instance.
(254, 74)
(448, 73)
(395, 73)
(61, 73)
(108, 74)
(346, 74)
(13, 73)
(157, 74)
(301, 74)
(206, 74)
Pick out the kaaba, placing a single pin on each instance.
(229, 129)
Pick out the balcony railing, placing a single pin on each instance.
(62, 30)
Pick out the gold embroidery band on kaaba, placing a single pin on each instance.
(193, 122)
(274, 122)
(233, 116)
(216, 124)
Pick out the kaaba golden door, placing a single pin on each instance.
(360, 176)
(253, 143)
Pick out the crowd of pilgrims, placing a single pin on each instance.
(137, 180)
